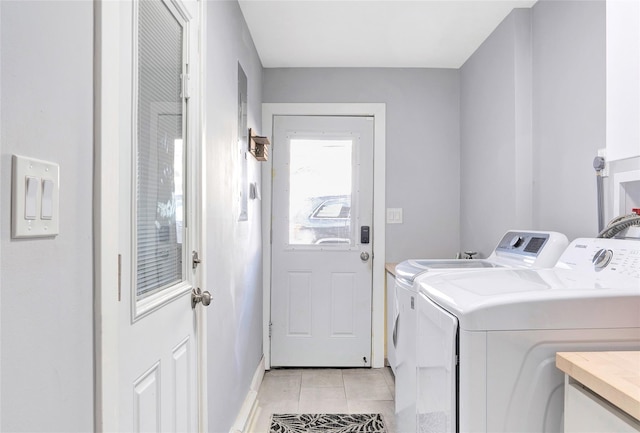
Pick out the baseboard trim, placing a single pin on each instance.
(250, 402)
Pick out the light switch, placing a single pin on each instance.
(394, 215)
(31, 197)
(35, 188)
(47, 199)
(254, 191)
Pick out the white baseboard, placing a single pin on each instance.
(250, 402)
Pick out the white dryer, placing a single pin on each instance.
(487, 340)
(516, 250)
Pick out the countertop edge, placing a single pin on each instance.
(576, 365)
(391, 268)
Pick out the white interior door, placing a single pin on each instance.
(322, 244)
(148, 371)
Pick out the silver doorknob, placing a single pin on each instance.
(364, 256)
(199, 296)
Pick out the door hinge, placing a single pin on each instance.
(270, 328)
(119, 277)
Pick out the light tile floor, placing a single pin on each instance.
(325, 391)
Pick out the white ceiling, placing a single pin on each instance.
(365, 33)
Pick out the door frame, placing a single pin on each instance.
(378, 112)
(106, 290)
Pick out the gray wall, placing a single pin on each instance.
(569, 118)
(422, 158)
(233, 256)
(551, 185)
(495, 137)
(46, 284)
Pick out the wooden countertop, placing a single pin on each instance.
(615, 376)
(391, 268)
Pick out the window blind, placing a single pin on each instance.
(160, 157)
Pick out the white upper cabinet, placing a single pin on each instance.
(623, 79)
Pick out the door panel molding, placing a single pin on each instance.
(342, 306)
(378, 111)
(147, 405)
(299, 299)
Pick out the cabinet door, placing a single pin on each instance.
(584, 411)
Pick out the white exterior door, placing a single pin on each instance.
(322, 244)
(148, 370)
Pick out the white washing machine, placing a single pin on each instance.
(487, 340)
(516, 249)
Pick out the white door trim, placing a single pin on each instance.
(378, 111)
(105, 220)
(201, 216)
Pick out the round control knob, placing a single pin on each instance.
(516, 241)
(602, 258)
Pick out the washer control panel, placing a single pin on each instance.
(619, 256)
(602, 258)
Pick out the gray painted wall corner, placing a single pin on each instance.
(233, 252)
(569, 112)
(496, 145)
(566, 51)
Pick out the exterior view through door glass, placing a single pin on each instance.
(320, 178)
(321, 267)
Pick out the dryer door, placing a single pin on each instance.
(436, 368)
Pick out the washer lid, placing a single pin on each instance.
(410, 269)
(512, 299)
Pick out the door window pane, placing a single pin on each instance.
(320, 184)
(160, 150)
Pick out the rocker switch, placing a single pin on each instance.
(47, 199)
(31, 197)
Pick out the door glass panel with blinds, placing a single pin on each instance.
(160, 150)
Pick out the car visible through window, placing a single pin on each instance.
(323, 220)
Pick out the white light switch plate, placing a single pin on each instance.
(394, 215)
(27, 222)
